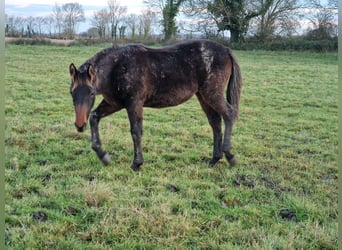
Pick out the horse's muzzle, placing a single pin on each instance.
(82, 128)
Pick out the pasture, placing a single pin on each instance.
(281, 195)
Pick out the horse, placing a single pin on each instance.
(134, 76)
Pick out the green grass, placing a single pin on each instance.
(282, 195)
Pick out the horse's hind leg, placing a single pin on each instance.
(135, 115)
(215, 121)
(225, 110)
(228, 118)
(226, 147)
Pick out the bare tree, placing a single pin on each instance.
(323, 17)
(49, 25)
(11, 28)
(202, 20)
(280, 18)
(100, 20)
(207, 20)
(73, 14)
(132, 23)
(122, 31)
(116, 11)
(57, 15)
(30, 26)
(20, 24)
(146, 20)
(40, 24)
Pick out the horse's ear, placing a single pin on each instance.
(91, 71)
(72, 70)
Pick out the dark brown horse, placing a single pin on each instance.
(134, 76)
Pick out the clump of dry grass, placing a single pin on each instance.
(35, 41)
(64, 42)
(96, 194)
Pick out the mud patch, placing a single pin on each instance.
(39, 216)
(243, 180)
(172, 188)
(288, 214)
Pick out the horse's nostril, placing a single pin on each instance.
(80, 128)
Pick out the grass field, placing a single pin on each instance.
(281, 195)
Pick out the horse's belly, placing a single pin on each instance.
(172, 98)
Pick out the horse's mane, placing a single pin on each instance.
(99, 56)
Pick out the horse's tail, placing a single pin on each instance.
(234, 85)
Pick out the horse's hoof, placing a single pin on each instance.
(106, 159)
(214, 161)
(136, 166)
(233, 161)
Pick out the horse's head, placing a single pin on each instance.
(82, 91)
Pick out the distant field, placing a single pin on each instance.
(281, 195)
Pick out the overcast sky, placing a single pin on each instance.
(24, 8)
(36, 7)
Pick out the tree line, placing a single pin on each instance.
(261, 19)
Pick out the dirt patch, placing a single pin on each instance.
(172, 188)
(39, 216)
(242, 180)
(288, 214)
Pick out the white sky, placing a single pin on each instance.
(24, 8)
(133, 6)
(24, 3)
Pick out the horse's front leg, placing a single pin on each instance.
(95, 138)
(101, 111)
(135, 114)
